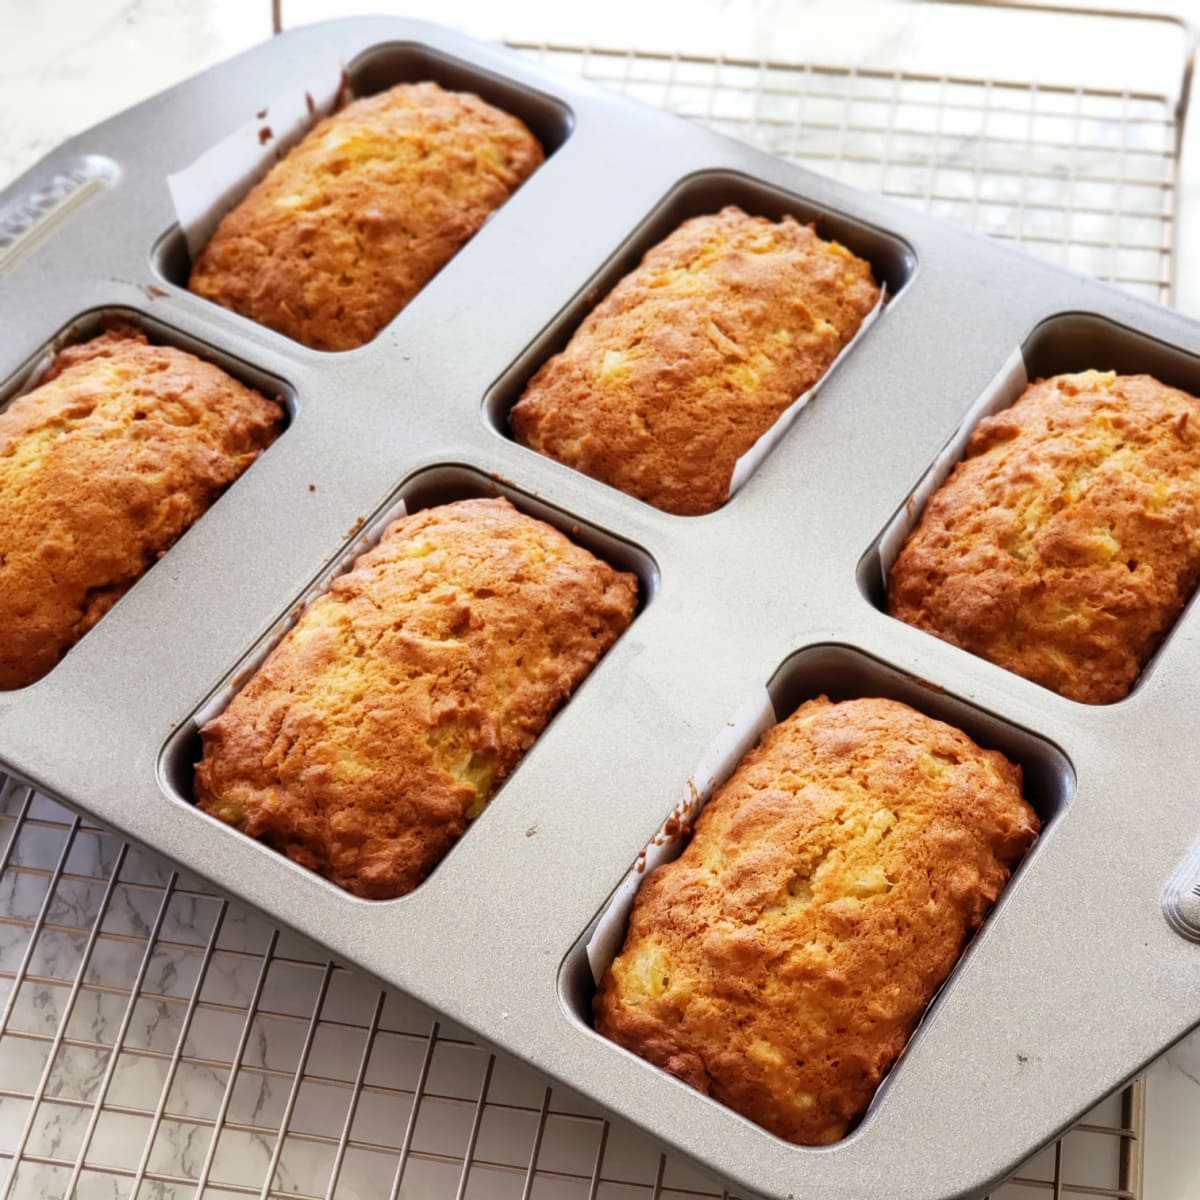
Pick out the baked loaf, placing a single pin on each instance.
(781, 963)
(1067, 542)
(363, 212)
(690, 359)
(385, 719)
(102, 467)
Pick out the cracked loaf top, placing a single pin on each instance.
(1066, 543)
(693, 356)
(363, 212)
(102, 467)
(382, 723)
(780, 964)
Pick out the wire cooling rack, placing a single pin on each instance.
(1084, 176)
(158, 1041)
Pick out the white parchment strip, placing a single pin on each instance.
(205, 191)
(364, 539)
(1004, 390)
(39, 370)
(752, 459)
(737, 737)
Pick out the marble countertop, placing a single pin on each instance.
(65, 65)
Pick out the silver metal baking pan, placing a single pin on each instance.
(1077, 980)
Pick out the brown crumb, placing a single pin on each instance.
(345, 92)
(265, 135)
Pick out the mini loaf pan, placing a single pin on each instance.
(97, 321)
(1078, 979)
(840, 673)
(376, 70)
(428, 488)
(892, 263)
(1066, 343)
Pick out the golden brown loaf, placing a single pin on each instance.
(386, 718)
(1067, 542)
(681, 368)
(102, 468)
(363, 212)
(781, 963)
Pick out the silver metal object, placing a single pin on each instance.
(1042, 990)
(243, 1057)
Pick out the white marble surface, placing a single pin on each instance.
(63, 66)
(1172, 1169)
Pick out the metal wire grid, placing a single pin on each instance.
(1085, 177)
(158, 1041)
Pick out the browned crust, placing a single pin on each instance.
(102, 467)
(386, 718)
(692, 357)
(1066, 543)
(781, 963)
(363, 212)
